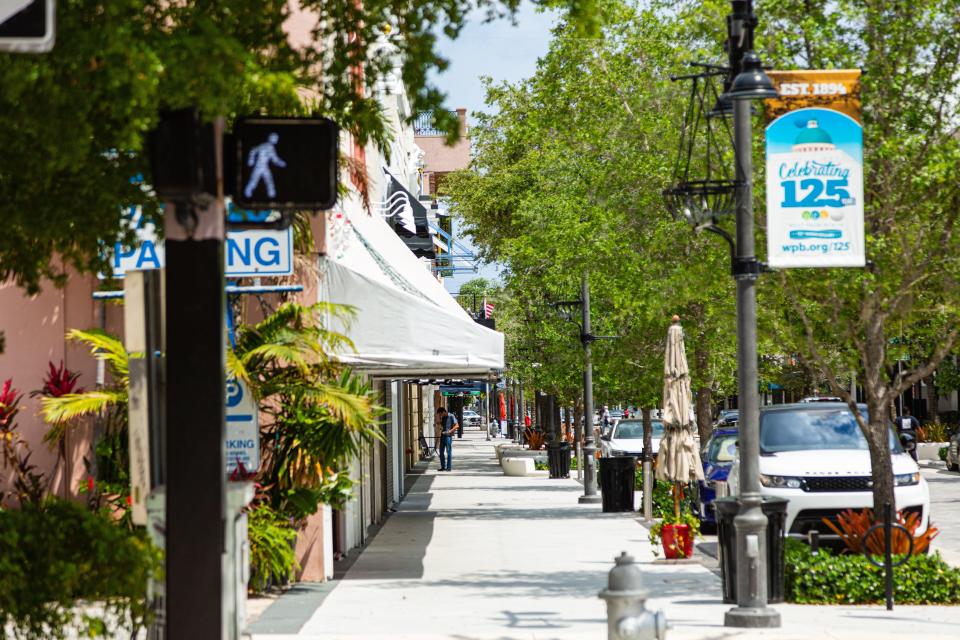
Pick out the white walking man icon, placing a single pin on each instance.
(260, 158)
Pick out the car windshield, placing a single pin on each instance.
(633, 429)
(806, 429)
(722, 449)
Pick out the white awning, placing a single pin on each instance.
(405, 323)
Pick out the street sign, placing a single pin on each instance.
(247, 253)
(286, 163)
(242, 442)
(27, 26)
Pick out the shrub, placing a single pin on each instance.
(933, 432)
(272, 557)
(663, 496)
(56, 557)
(824, 578)
(942, 454)
(851, 526)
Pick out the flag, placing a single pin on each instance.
(487, 309)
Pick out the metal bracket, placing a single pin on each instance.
(746, 268)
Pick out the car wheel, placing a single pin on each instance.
(953, 467)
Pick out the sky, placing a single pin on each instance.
(497, 49)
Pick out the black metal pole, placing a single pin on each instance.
(195, 411)
(589, 449)
(887, 555)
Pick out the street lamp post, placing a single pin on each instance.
(589, 448)
(750, 524)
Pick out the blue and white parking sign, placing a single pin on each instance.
(242, 442)
(247, 253)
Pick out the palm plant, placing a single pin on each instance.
(109, 404)
(319, 413)
(111, 400)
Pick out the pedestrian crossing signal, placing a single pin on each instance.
(286, 163)
(27, 26)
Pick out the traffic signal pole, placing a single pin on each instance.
(195, 412)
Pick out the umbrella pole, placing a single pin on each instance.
(676, 501)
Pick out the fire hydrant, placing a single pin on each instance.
(627, 616)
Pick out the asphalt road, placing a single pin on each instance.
(945, 509)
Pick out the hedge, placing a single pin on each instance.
(825, 578)
(67, 571)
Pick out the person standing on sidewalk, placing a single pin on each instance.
(448, 424)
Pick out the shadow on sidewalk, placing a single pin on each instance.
(532, 512)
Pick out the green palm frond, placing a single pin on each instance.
(235, 367)
(71, 406)
(274, 353)
(104, 347)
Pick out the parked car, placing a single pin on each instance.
(717, 457)
(626, 438)
(472, 418)
(953, 453)
(728, 418)
(815, 455)
(821, 399)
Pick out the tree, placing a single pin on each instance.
(474, 292)
(566, 179)
(75, 119)
(848, 320)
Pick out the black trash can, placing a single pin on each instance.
(558, 456)
(617, 483)
(776, 511)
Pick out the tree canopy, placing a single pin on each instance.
(75, 119)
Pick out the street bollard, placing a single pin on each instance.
(627, 616)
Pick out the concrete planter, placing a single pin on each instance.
(506, 449)
(517, 466)
(930, 450)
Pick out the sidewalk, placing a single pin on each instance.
(475, 555)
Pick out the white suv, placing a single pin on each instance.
(814, 455)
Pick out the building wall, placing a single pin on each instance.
(440, 158)
(35, 328)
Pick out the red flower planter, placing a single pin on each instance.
(677, 541)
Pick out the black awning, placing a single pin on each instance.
(409, 219)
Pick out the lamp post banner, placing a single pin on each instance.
(815, 170)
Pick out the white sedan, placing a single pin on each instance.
(815, 456)
(472, 418)
(626, 438)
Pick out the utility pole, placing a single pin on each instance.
(589, 448)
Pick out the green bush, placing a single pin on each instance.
(66, 570)
(663, 496)
(943, 454)
(825, 578)
(272, 557)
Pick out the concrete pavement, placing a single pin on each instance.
(476, 555)
(944, 509)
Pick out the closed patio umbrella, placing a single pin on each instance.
(678, 459)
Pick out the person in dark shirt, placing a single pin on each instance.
(448, 424)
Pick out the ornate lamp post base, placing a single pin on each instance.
(751, 618)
